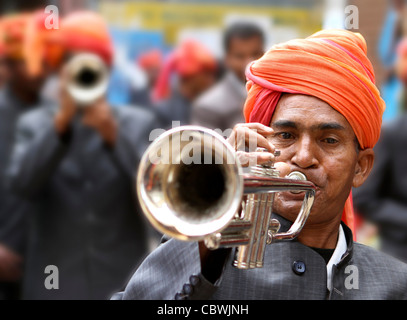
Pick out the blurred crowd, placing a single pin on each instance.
(67, 195)
(381, 202)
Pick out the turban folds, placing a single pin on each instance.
(331, 65)
(87, 31)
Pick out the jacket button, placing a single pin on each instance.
(180, 296)
(298, 267)
(194, 280)
(187, 289)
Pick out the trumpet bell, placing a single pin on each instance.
(190, 183)
(88, 78)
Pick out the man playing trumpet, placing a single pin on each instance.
(315, 101)
(76, 162)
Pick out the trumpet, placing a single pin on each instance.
(191, 186)
(88, 78)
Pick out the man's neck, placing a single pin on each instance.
(324, 236)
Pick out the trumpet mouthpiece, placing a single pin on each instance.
(296, 175)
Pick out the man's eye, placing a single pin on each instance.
(330, 140)
(285, 135)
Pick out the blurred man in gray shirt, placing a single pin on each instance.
(222, 106)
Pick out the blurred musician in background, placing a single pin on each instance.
(383, 199)
(151, 63)
(77, 162)
(20, 91)
(194, 68)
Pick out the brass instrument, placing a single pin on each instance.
(192, 188)
(88, 78)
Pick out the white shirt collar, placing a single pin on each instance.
(339, 251)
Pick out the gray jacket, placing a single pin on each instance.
(88, 223)
(13, 209)
(221, 107)
(173, 271)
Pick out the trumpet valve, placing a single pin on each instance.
(266, 169)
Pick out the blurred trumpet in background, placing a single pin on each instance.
(88, 78)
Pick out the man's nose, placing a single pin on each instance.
(305, 154)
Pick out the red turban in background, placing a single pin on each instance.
(331, 65)
(41, 43)
(2, 45)
(79, 31)
(150, 59)
(189, 58)
(13, 28)
(87, 31)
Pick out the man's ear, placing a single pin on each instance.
(363, 166)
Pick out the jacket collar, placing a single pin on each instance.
(286, 224)
(349, 246)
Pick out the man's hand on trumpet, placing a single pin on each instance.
(67, 108)
(245, 139)
(98, 115)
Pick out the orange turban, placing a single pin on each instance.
(41, 43)
(2, 45)
(87, 31)
(189, 58)
(78, 31)
(13, 34)
(331, 65)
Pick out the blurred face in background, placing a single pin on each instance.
(3, 71)
(24, 84)
(240, 52)
(191, 86)
(398, 4)
(152, 73)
